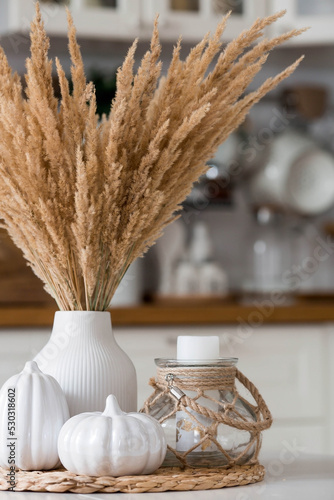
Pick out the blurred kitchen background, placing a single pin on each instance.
(251, 257)
(253, 222)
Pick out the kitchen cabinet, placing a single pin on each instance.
(93, 18)
(319, 16)
(193, 18)
(127, 19)
(290, 364)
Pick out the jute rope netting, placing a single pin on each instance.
(169, 386)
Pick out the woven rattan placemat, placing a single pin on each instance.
(165, 479)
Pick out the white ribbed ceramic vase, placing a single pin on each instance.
(83, 356)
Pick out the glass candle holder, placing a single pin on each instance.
(207, 423)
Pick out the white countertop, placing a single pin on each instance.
(308, 477)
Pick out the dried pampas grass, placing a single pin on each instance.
(83, 198)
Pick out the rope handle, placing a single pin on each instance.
(264, 410)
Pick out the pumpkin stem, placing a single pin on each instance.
(112, 407)
(31, 367)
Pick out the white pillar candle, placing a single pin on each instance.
(199, 347)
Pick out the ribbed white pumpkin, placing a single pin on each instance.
(40, 412)
(112, 443)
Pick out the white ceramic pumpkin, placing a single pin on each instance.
(112, 443)
(33, 409)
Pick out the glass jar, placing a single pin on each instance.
(268, 255)
(206, 422)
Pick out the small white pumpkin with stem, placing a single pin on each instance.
(112, 443)
(33, 409)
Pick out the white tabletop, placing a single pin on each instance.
(288, 478)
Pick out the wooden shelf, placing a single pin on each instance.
(303, 311)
